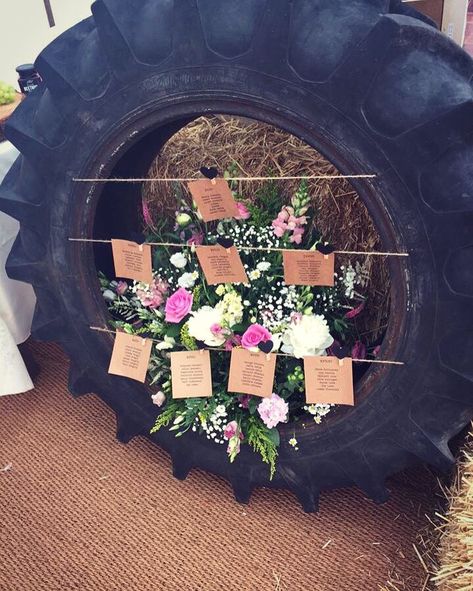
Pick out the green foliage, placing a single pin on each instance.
(7, 94)
(263, 441)
(269, 201)
(186, 339)
(166, 417)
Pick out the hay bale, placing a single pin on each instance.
(257, 149)
(455, 529)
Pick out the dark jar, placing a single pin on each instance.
(28, 78)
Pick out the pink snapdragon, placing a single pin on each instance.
(273, 410)
(287, 222)
(243, 211)
(254, 335)
(233, 434)
(231, 429)
(155, 296)
(178, 305)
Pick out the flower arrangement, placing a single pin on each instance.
(182, 312)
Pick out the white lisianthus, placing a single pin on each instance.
(308, 336)
(179, 260)
(263, 266)
(220, 289)
(186, 280)
(167, 343)
(200, 324)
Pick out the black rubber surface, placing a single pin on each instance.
(374, 91)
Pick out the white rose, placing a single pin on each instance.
(178, 260)
(186, 280)
(308, 336)
(200, 323)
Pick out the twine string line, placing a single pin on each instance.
(244, 248)
(380, 361)
(234, 178)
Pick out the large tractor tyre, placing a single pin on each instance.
(374, 91)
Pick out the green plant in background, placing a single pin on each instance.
(7, 94)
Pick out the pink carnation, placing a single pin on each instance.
(254, 335)
(273, 410)
(243, 211)
(178, 305)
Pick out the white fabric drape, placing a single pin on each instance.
(17, 301)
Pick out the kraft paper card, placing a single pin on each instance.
(221, 265)
(191, 374)
(251, 372)
(307, 267)
(329, 380)
(132, 260)
(130, 356)
(214, 199)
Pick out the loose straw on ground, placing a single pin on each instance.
(255, 248)
(383, 361)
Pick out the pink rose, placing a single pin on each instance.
(178, 305)
(254, 335)
(243, 211)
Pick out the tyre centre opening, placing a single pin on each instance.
(357, 308)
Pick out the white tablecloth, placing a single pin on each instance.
(17, 301)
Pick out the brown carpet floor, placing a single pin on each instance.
(80, 511)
